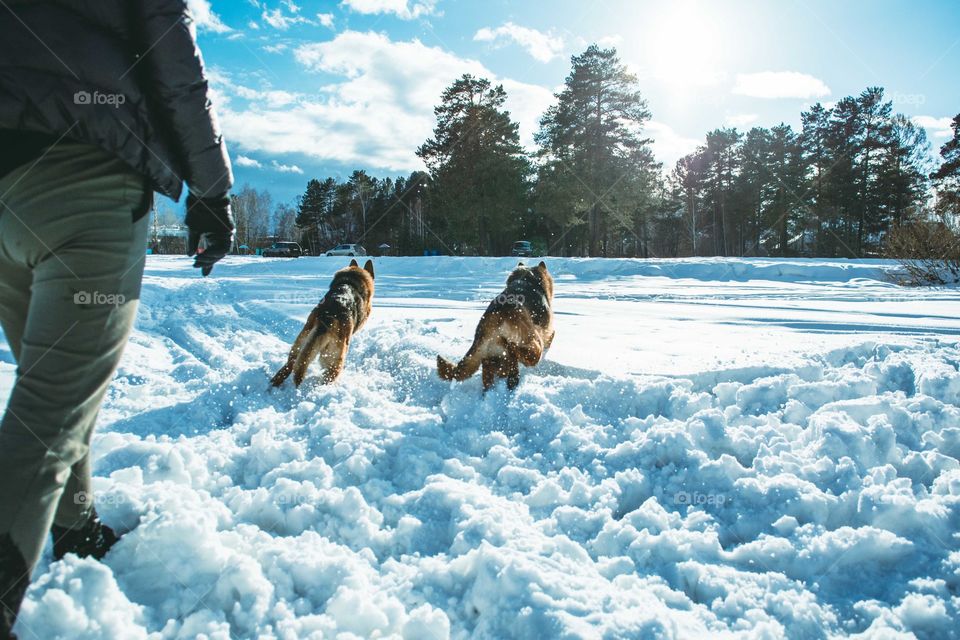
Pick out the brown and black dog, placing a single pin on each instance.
(516, 327)
(331, 324)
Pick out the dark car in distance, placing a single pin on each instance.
(283, 250)
(522, 249)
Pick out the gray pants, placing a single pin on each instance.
(71, 261)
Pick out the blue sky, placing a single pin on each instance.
(310, 88)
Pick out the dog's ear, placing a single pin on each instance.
(542, 265)
(353, 263)
(368, 267)
(520, 264)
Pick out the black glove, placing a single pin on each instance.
(211, 230)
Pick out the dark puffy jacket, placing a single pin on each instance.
(125, 75)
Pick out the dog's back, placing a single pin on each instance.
(327, 332)
(517, 327)
(533, 287)
(350, 297)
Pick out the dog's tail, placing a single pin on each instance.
(463, 369)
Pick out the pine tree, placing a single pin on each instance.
(690, 174)
(308, 213)
(722, 159)
(814, 144)
(947, 177)
(843, 179)
(590, 140)
(903, 174)
(874, 136)
(668, 229)
(786, 166)
(755, 186)
(478, 168)
(412, 197)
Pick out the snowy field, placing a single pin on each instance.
(712, 448)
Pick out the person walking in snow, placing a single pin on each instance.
(101, 104)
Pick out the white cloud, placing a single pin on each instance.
(669, 146)
(275, 48)
(244, 161)
(286, 168)
(403, 9)
(268, 97)
(542, 46)
(326, 19)
(741, 119)
(377, 110)
(205, 18)
(277, 19)
(780, 84)
(613, 40)
(937, 127)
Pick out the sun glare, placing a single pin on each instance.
(683, 46)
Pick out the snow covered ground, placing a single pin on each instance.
(712, 448)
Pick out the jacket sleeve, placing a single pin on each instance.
(174, 71)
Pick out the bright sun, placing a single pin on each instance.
(685, 44)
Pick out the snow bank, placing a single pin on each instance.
(810, 496)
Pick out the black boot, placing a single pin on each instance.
(93, 539)
(14, 580)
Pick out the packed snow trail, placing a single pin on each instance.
(743, 448)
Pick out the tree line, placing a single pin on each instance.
(837, 187)
(373, 212)
(832, 189)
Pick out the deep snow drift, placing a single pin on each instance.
(712, 448)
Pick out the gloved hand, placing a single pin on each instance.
(211, 230)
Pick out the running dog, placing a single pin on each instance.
(516, 327)
(331, 324)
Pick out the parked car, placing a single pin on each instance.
(522, 249)
(347, 250)
(283, 250)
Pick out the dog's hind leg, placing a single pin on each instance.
(512, 369)
(295, 350)
(333, 360)
(284, 372)
(307, 355)
(490, 368)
